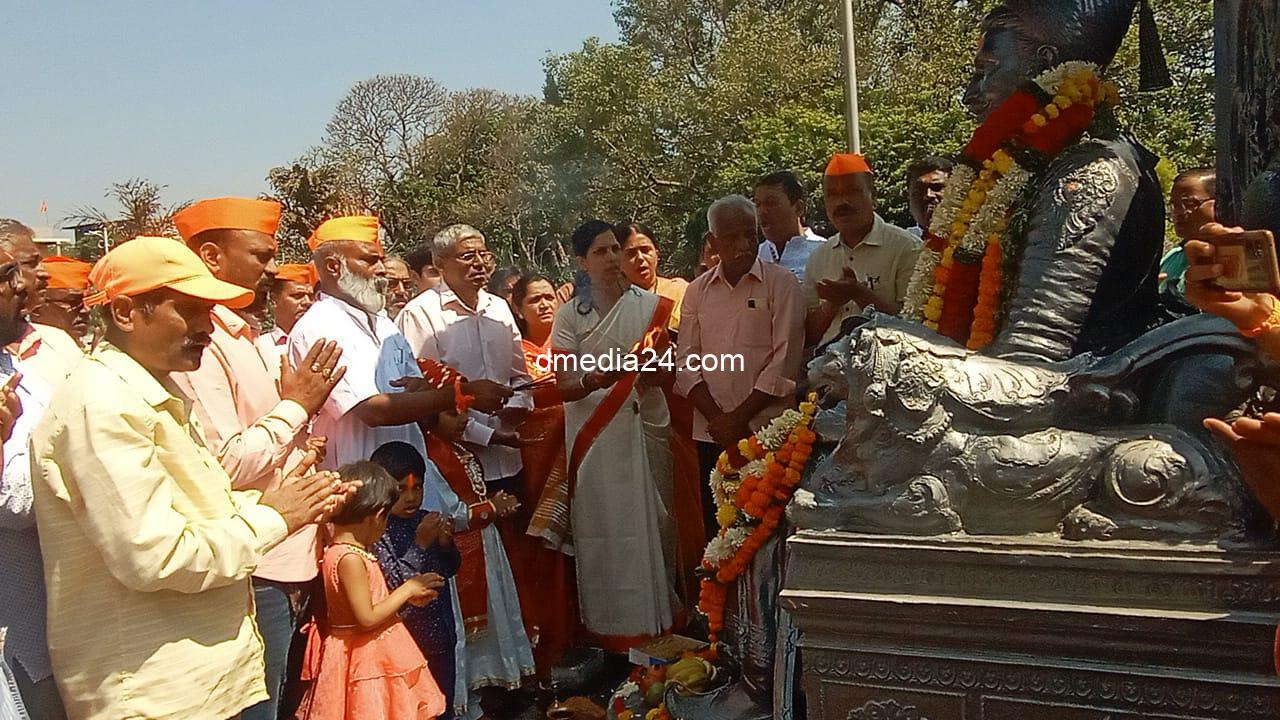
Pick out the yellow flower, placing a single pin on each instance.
(813, 398)
(1052, 111)
(1039, 120)
(1062, 101)
(744, 447)
(1004, 160)
(726, 514)
(811, 407)
(939, 288)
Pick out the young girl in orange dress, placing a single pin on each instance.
(364, 663)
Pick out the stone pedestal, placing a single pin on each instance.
(991, 628)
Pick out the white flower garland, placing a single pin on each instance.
(944, 216)
(771, 437)
(994, 209)
(1050, 80)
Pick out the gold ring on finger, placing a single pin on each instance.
(315, 367)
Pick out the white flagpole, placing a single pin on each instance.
(851, 79)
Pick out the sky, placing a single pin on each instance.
(206, 97)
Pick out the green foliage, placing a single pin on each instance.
(696, 100)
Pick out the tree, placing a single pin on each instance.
(380, 124)
(141, 212)
(309, 193)
(696, 100)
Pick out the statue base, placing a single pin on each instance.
(1027, 628)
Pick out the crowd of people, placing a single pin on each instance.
(373, 486)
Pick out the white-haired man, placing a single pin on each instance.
(747, 309)
(367, 406)
(473, 331)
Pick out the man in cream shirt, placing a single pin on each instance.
(147, 549)
(868, 263)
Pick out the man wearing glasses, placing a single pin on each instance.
(1192, 202)
(464, 326)
(400, 285)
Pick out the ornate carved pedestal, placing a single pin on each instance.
(993, 628)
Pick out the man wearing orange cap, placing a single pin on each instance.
(147, 548)
(256, 430)
(868, 263)
(292, 292)
(47, 352)
(63, 305)
(367, 407)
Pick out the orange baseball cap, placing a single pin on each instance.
(146, 263)
(66, 273)
(847, 164)
(301, 273)
(361, 228)
(228, 213)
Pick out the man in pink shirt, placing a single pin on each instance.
(256, 428)
(751, 311)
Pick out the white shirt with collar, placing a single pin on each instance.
(795, 255)
(482, 343)
(22, 593)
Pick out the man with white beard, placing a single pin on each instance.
(376, 401)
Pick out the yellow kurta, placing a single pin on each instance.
(147, 552)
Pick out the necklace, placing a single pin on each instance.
(360, 550)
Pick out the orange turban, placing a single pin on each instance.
(361, 228)
(847, 164)
(228, 213)
(66, 273)
(144, 264)
(301, 273)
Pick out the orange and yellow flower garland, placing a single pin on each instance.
(749, 514)
(957, 287)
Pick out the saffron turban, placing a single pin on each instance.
(360, 228)
(847, 164)
(228, 213)
(66, 273)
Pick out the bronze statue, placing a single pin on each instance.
(1082, 414)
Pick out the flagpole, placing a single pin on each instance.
(851, 79)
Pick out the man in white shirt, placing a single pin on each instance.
(867, 264)
(22, 593)
(293, 290)
(376, 401)
(780, 205)
(462, 325)
(926, 179)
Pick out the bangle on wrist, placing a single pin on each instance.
(485, 510)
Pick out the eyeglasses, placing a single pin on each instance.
(1189, 204)
(470, 257)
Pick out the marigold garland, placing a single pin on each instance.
(751, 494)
(956, 287)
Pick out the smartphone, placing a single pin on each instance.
(1248, 262)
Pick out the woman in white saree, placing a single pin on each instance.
(617, 431)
